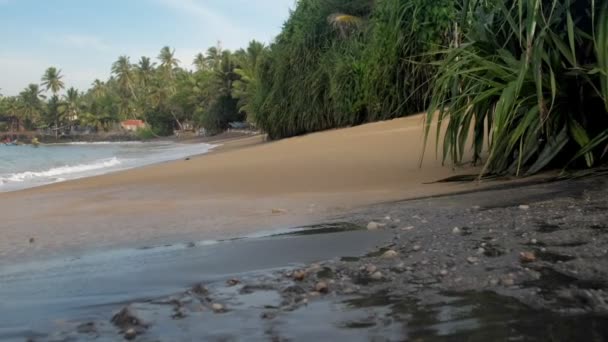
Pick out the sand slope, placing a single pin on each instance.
(229, 192)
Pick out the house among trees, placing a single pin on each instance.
(132, 125)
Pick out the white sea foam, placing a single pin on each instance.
(66, 170)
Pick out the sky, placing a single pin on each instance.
(84, 37)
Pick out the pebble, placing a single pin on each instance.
(472, 260)
(416, 248)
(233, 282)
(217, 307)
(444, 272)
(388, 218)
(481, 251)
(32, 240)
(507, 281)
(130, 334)
(524, 207)
(534, 241)
(527, 257)
(299, 275)
(322, 287)
(390, 254)
(397, 220)
(373, 226)
(377, 276)
(371, 269)
(456, 231)
(407, 229)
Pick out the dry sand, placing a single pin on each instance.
(234, 190)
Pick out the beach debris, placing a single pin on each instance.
(390, 254)
(299, 275)
(32, 240)
(232, 282)
(407, 229)
(279, 211)
(524, 207)
(218, 308)
(130, 334)
(187, 159)
(472, 260)
(377, 275)
(322, 287)
(527, 257)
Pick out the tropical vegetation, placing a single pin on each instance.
(517, 85)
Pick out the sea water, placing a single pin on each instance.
(27, 166)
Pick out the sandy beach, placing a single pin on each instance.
(244, 186)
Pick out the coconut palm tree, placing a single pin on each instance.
(214, 57)
(52, 80)
(29, 105)
(71, 106)
(168, 62)
(125, 79)
(200, 62)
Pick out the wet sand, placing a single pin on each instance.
(244, 186)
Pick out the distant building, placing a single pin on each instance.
(132, 125)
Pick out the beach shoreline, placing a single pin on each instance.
(246, 185)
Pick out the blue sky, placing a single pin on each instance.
(84, 37)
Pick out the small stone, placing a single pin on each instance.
(507, 281)
(472, 260)
(524, 207)
(397, 220)
(233, 282)
(534, 241)
(32, 240)
(390, 254)
(314, 294)
(456, 231)
(388, 218)
(444, 272)
(494, 282)
(543, 249)
(407, 229)
(476, 207)
(416, 248)
(299, 275)
(217, 308)
(130, 334)
(322, 287)
(377, 276)
(279, 211)
(371, 269)
(527, 257)
(373, 226)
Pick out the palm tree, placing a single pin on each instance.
(200, 62)
(168, 62)
(29, 105)
(51, 80)
(72, 105)
(98, 89)
(214, 57)
(122, 70)
(145, 70)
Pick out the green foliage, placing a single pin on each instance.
(342, 63)
(146, 133)
(527, 80)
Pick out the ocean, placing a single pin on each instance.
(26, 166)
